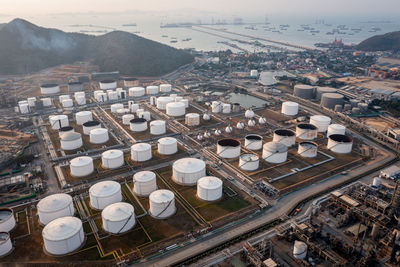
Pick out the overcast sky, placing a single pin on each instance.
(375, 8)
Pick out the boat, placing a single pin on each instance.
(186, 39)
(164, 36)
(129, 25)
(173, 41)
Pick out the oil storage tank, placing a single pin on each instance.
(138, 125)
(58, 121)
(228, 148)
(63, 235)
(71, 141)
(47, 102)
(176, 109)
(136, 91)
(152, 90)
(162, 204)
(285, 136)
(108, 84)
(290, 108)
(304, 91)
(83, 116)
(192, 119)
(323, 90)
(141, 152)
(336, 129)
(81, 166)
(49, 88)
(340, 143)
(99, 136)
(307, 149)
(90, 125)
(55, 206)
(330, 100)
(322, 122)
(249, 162)
(158, 127)
(209, 188)
(5, 244)
(7, 220)
(126, 119)
(115, 107)
(167, 146)
(162, 102)
(104, 193)
(129, 82)
(118, 218)
(253, 141)
(67, 103)
(64, 130)
(112, 159)
(165, 88)
(216, 106)
(274, 152)
(306, 131)
(187, 171)
(144, 183)
(299, 250)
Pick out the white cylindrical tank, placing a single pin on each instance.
(144, 114)
(99, 136)
(55, 206)
(138, 125)
(178, 99)
(253, 142)
(115, 107)
(285, 136)
(46, 102)
(5, 244)
(176, 109)
(153, 100)
(376, 182)
(157, 127)
(112, 95)
(80, 100)
(138, 111)
(226, 108)
(58, 121)
(118, 218)
(113, 158)
(322, 122)
(173, 96)
(340, 143)
(290, 108)
(49, 88)
(308, 149)
(136, 91)
(81, 166)
(249, 162)
(108, 84)
(274, 152)
(7, 220)
(162, 204)
(306, 131)
(165, 88)
(167, 146)
(336, 129)
(192, 119)
(216, 107)
(122, 111)
(187, 171)
(83, 116)
(144, 183)
(63, 235)
(141, 152)
(249, 114)
(126, 119)
(90, 125)
(186, 102)
(162, 102)
(67, 103)
(64, 130)
(61, 98)
(209, 188)
(23, 108)
(102, 97)
(299, 250)
(206, 117)
(71, 141)
(104, 193)
(152, 90)
(228, 148)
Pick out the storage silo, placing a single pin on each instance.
(340, 143)
(7, 220)
(175, 109)
(71, 141)
(187, 171)
(186, 102)
(290, 108)
(336, 129)
(133, 107)
(152, 90)
(112, 159)
(112, 95)
(80, 100)
(306, 131)
(129, 82)
(138, 125)
(249, 114)
(249, 162)
(118, 218)
(98, 136)
(209, 188)
(90, 125)
(162, 102)
(67, 103)
(81, 166)
(330, 100)
(5, 244)
(126, 119)
(157, 127)
(122, 111)
(226, 108)
(253, 141)
(136, 91)
(144, 114)
(31, 101)
(104, 193)
(216, 107)
(141, 152)
(167, 146)
(274, 152)
(304, 91)
(58, 121)
(299, 250)
(61, 98)
(322, 122)
(285, 136)
(83, 116)
(64, 130)
(228, 148)
(55, 206)
(115, 107)
(23, 107)
(165, 88)
(162, 204)
(46, 102)
(307, 149)
(108, 84)
(192, 119)
(144, 183)
(323, 90)
(49, 88)
(63, 235)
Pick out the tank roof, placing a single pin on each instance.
(104, 188)
(275, 147)
(70, 136)
(144, 176)
(209, 182)
(118, 211)
(229, 142)
(91, 123)
(81, 161)
(62, 228)
(54, 202)
(189, 165)
(284, 132)
(341, 138)
(112, 153)
(141, 146)
(162, 196)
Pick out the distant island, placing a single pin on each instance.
(385, 42)
(27, 48)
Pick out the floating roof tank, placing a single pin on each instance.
(187, 171)
(249, 162)
(274, 152)
(144, 183)
(306, 131)
(71, 141)
(253, 142)
(299, 250)
(83, 116)
(64, 130)
(49, 88)
(90, 125)
(118, 218)
(129, 82)
(108, 84)
(209, 188)
(307, 149)
(5, 244)
(323, 90)
(7, 220)
(285, 136)
(138, 125)
(162, 204)
(55, 206)
(340, 143)
(228, 148)
(104, 193)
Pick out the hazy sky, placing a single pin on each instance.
(376, 8)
